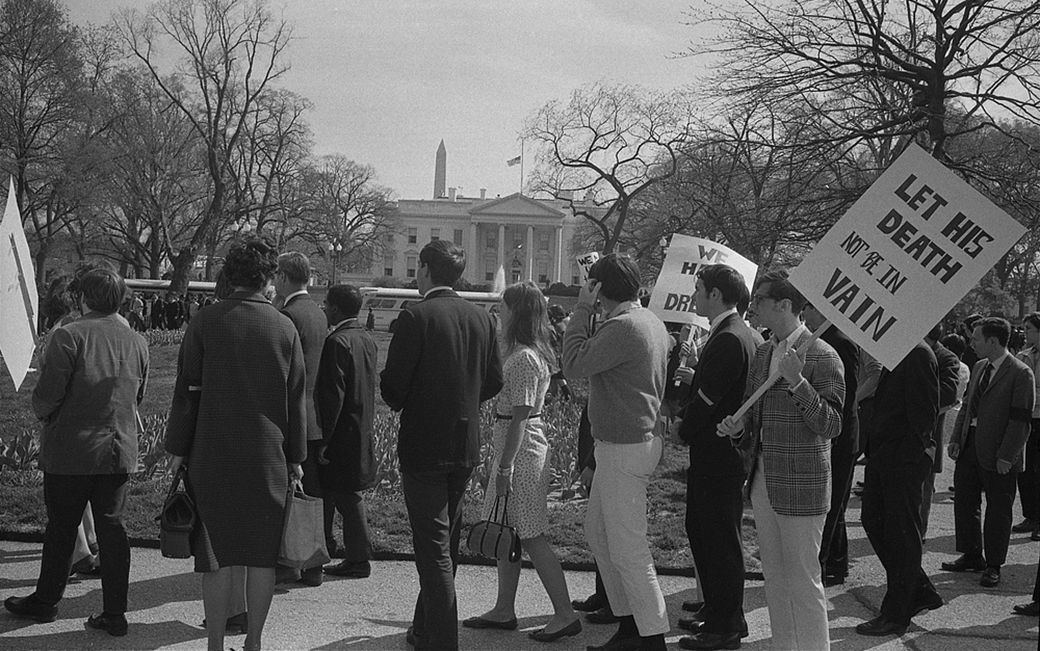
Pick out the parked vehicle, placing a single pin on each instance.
(385, 304)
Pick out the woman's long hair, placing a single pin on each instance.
(529, 321)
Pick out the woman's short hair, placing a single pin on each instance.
(251, 262)
(346, 298)
(103, 290)
(618, 275)
(445, 260)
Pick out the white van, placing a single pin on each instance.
(385, 304)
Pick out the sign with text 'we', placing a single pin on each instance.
(905, 253)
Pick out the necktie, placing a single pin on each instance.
(980, 389)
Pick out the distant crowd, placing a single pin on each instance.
(774, 404)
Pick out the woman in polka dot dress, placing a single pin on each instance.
(522, 463)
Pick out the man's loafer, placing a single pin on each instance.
(1025, 526)
(990, 577)
(880, 626)
(312, 577)
(602, 616)
(112, 624)
(710, 641)
(594, 602)
(618, 644)
(966, 563)
(360, 570)
(31, 608)
(830, 580)
(570, 630)
(931, 602)
(692, 622)
(480, 622)
(1031, 609)
(692, 606)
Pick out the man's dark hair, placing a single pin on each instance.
(346, 299)
(994, 326)
(618, 275)
(724, 278)
(251, 262)
(1032, 318)
(780, 288)
(744, 302)
(936, 333)
(445, 260)
(295, 266)
(955, 343)
(103, 290)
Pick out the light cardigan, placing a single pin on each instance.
(626, 363)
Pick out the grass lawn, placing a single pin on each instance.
(22, 511)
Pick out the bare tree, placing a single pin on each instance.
(979, 58)
(230, 51)
(607, 144)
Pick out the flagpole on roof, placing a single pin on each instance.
(521, 166)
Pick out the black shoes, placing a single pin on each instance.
(710, 641)
(602, 616)
(692, 606)
(1031, 609)
(1025, 526)
(880, 626)
(351, 570)
(235, 625)
(618, 643)
(570, 630)
(593, 603)
(931, 602)
(31, 608)
(482, 623)
(112, 624)
(965, 563)
(833, 579)
(990, 577)
(312, 576)
(87, 567)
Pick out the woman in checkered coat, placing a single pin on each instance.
(238, 422)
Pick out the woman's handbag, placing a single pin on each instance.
(177, 519)
(494, 538)
(303, 536)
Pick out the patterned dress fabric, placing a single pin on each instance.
(526, 381)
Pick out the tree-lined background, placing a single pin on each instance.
(154, 138)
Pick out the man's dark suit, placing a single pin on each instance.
(1004, 413)
(714, 497)
(312, 325)
(906, 403)
(442, 363)
(345, 403)
(834, 546)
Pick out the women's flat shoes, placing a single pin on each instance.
(570, 630)
(480, 622)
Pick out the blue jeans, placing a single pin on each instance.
(434, 502)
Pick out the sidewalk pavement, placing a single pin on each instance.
(374, 613)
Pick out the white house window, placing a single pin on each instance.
(410, 266)
(543, 241)
(413, 235)
(435, 234)
(491, 241)
(458, 236)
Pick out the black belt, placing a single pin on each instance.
(510, 417)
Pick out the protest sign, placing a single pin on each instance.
(585, 262)
(905, 253)
(18, 299)
(672, 298)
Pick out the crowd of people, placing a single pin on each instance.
(273, 392)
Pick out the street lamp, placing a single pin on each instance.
(335, 247)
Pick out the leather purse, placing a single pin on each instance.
(494, 538)
(177, 519)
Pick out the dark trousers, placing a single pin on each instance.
(65, 497)
(834, 546)
(434, 502)
(891, 516)
(1029, 479)
(971, 480)
(357, 540)
(714, 508)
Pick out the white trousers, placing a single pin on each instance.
(615, 527)
(790, 550)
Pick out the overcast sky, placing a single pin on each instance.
(390, 78)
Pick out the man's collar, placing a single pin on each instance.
(719, 318)
(624, 306)
(294, 295)
(344, 322)
(436, 289)
(1000, 360)
(792, 338)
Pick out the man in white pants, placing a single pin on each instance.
(626, 362)
(789, 431)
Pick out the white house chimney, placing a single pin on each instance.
(451, 194)
(483, 193)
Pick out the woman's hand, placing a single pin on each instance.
(503, 483)
(175, 464)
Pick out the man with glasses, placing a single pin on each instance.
(789, 431)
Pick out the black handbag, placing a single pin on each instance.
(177, 519)
(494, 538)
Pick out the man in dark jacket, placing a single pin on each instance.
(442, 363)
(92, 378)
(949, 368)
(715, 479)
(345, 403)
(290, 284)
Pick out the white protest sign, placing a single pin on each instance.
(585, 262)
(672, 298)
(19, 302)
(905, 253)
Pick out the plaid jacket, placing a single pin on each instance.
(792, 430)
